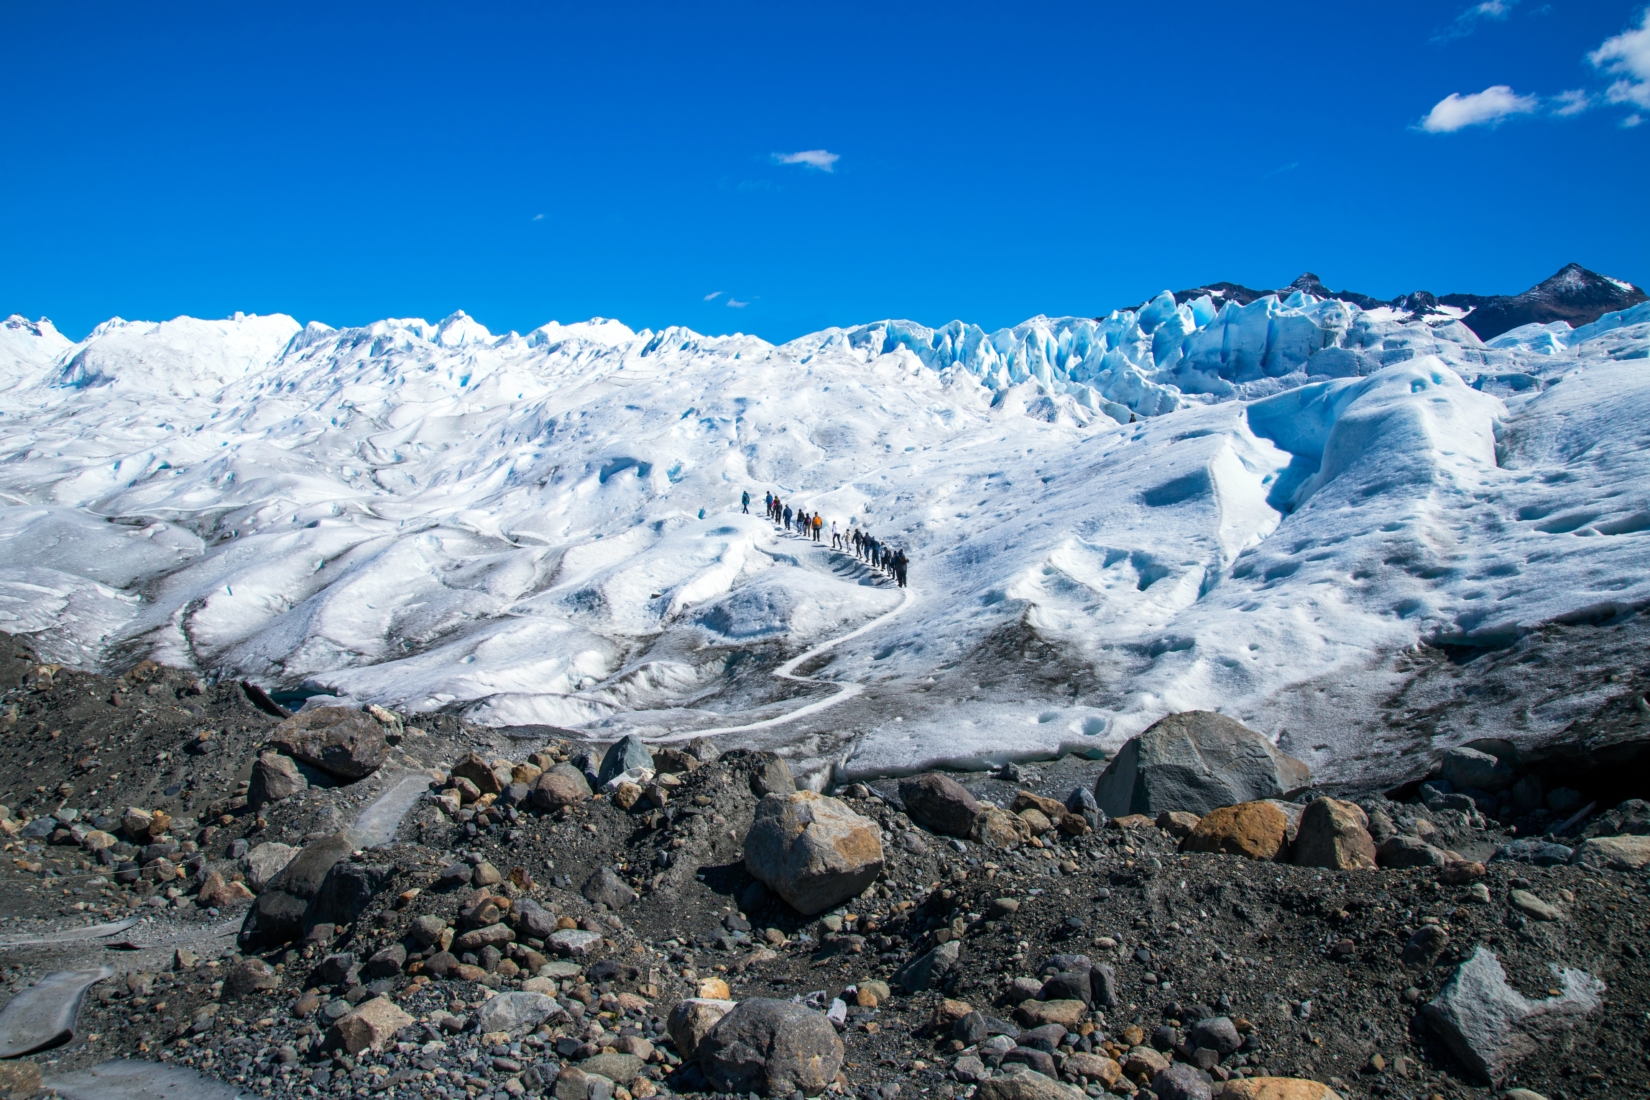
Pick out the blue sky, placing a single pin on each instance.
(347, 162)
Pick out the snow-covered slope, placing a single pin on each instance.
(1192, 505)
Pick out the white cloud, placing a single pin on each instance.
(735, 303)
(1456, 111)
(1631, 121)
(1467, 21)
(1627, 55)
(713, 295)
(810, 158)
(1565, 104)
(538, 217)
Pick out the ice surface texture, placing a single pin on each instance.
(432, 517)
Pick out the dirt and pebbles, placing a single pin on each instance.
(1322, 974)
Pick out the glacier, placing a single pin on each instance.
(1277, 510)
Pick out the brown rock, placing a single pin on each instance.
(561, 786)
(1177, 823)
(1334, 834)
(489, 778)
(691, 1020)
(626, 795)
(274, 777)
(811, 850)
(1142, 1063)
(526, 773)
(371, 1025)
(999, 829)
(1131, 821)
(1459, 872)
(218, 894)
(1096, 1067)
(1036, 820)
(948, 1012)
(1257, 830)
(1025, 1086)
(1035, 1013)
(713, 989)
(1051, 808)
(340, 741)
(939, 804)
(1273, 1088)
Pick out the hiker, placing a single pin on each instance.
(900, 564)
(745, 502)
(836, 537)
(818, 523)
(768, 503)
(787, 517)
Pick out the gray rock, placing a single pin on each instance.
(263, 863)
(1533, 849)
(931, 969)
(335, 969)
(939, 804)
(1532, 906)
(515, 1012)
(1218, 1033)
(770, 775)
(1103, 983)
(970, 1029)
(812, 850)
(274, 777)
(1195, 761)
(606, 888)
(624, 754)
(387, 963)
(968, 1069)
(1400, 851)
(1025, 1085)
(533, 920)
(1424, 946)
(574, 942)
(1490, 1026)
(249, 976)
(1469, 769)
(278, 915)
(346, 893)
(340, 741)
(703, 749)
(1068, 986)
(427, 929)
(1181, 1082)
(561, 786)
(621, 1069)
(771, 1047)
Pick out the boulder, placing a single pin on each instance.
(1025, 1086)
(626, 754)
(1334, 834)
(1181, 1082)
(561, 786)
(1424, 946)
(1096, 1067)
(249, 976)
(1218, 1033)
(279, 913)
(1256, 830)
(931, 968)
(1177, 823)
(574, 942)
(274, 777)
(216, 893)
(1068, 1014)
(770, 775)
(772, 1048)
(1468, 769)
(263, 863)
(1196, 761)
(939, 804)
(387, 962)
(516, 1013)
(1490, 1026)
(345, 743)
(1613, 853)
(998, 828)
(427, 929)
(1400, 851)
(691, 1020)
(621, 1069)
(606, 888)
(1274, 1088)
(811, 850)
(346, 893)
(370, 1025)
(488, 777)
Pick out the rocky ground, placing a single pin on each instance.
(1047, 943)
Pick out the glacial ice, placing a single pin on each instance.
(1209, 507)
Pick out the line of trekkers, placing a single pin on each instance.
(857, 541)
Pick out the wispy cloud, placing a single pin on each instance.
(1631, 121)
(810, 158)
(1468, 20)
(735, 303)
(1486, 108)
(538, 217)
(1627, 55)
(713, 295)
(1281, 169)
(1565, 104)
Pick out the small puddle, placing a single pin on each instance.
(129, 1079)
(43, 1015)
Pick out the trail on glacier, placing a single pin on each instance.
(787, 671)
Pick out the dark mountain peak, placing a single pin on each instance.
(1573, 294)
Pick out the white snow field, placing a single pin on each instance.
(1228, 508)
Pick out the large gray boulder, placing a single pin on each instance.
(811, 850)
(626, 753)
(274, 777)
(347, 892)
(1195, 761)
(772, 1048)
(1490, 1026)
(345, 743)
(1470, 769)
(939, 804)
(515, 1012)
(278, 915)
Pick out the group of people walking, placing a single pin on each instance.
(857, 541)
